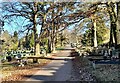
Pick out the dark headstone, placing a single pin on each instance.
(9, 58)
(35, 60)
(19, 55)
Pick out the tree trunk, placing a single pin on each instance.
(54, 45)
(113, 19)
(36, 41)
(118, 33)
(35, 37)
(36, 45)
(114, 33)
(92, 36)
(49, 45)
(95, 34)
(53, 33)
(115, 24)
(118, 25)
(111, 37)
(53, 37)
(61, 41)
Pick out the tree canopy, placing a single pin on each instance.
(44, 20)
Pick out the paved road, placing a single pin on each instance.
(57, 70)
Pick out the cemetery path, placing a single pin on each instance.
(57, 70)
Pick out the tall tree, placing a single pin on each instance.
(31, 11)
(113, 19)
(118, 24)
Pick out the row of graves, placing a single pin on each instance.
(21, 56)
(104, 55)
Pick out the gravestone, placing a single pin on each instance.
(9, 58)
(105, 55)
(35, 60)
(19, 55)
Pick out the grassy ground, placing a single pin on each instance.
(11, 70)
(60, 48)
(107, 72)
(83, 71)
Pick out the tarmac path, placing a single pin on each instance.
(57, 70)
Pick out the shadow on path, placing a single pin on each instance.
(58, 70)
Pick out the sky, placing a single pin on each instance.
(17, 27)
(17, 24)
(14, 27)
